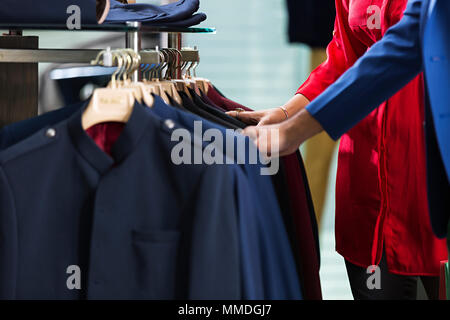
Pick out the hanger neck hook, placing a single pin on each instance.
(119, 60)
(179, 61)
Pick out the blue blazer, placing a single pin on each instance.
(262, 236)
(419, 42)
(138, 226)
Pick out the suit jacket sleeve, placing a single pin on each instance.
(343, 50)
(8, 240)
(388, 66)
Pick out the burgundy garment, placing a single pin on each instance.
(312, 212)
(304, 228)
(302, 212)
(211, 103)
(105, 134)
(223, 102)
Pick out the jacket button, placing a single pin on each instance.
(436, 58)
(51, 133)
(169, 124)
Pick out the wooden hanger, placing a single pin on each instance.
(109, 104)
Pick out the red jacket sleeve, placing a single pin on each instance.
(343, 50)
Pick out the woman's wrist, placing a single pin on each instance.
(296, 104)
(285, 112)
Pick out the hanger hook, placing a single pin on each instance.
(119, 60)
(119, 54)
(179, 60)
(166, 64)
(129, 64)
(175, 60)
(188, 71)
(136, 58)
(143, 68)
(196, 63)
(154, 71)
(97, 60)
(169, 72)
(158, 72)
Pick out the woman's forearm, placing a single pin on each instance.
(296, 104)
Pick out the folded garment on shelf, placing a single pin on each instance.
(179, 14)
(175, 11)
(189, 22)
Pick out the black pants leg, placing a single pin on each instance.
(393, 287)
(431, 285)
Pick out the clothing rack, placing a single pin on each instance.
(20, 55)
(81, 56)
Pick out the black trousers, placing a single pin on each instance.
(393, 286)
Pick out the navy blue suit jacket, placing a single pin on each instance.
(268, 266)
(262, 238)
(419, 42)
(63, 202)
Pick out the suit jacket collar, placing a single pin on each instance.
(125, 144)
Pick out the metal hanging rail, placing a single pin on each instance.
(47, 55)
(79, 56)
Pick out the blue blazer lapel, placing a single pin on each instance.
(423, 18)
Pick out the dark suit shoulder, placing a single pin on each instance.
(42, 138)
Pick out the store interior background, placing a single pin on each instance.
(250, 60)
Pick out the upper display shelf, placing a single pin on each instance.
(107, 28)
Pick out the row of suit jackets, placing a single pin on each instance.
(136, 225)
(294, 198)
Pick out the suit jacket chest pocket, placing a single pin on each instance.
(157, 260)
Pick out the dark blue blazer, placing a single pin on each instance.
(138, 226)
(262, 239)
(419, 42)
(268, 266)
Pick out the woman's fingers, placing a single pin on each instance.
(273, 140)
(249, 117)
(267, 121)
(259, 135)
(252, 133)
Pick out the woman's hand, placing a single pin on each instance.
(284, 138)
(260, 118)
(272, 116)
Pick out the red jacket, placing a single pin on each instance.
(381, 195)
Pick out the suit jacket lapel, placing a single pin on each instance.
(424, 17)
